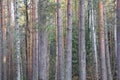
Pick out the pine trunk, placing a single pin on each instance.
(82, 50)
(42, 39)
(69, 41)
(102, 42)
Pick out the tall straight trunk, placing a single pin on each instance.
(1, 38)
(115, 27)
(9, 42)
(17, 42)
(69, 41)
(35, 44)
(108, 65)
(118, 39)
(4, 28)
(4, 40)
(27, 39)
(102, 42)
(42, 39)
(56, 58)
(35, 55)
(82, 50)
(48, 62)
(60, 43)
(93, 37)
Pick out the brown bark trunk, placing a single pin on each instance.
(102, 42)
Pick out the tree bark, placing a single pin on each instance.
(118, 39)
(17, 42)
(82, 50)
(1, 38)
(42, 39)
(60, 42)
(108, 64)
(102, 42)
(69, 41)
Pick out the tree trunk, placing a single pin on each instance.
(69, 41)
(93, 38)
(17, 42)
(60, 43)
(35, 44)
(102, 42)
(118, 39)
(108, 65)
(82, 50)
(35, 55)
(42, 39)
(1, 40)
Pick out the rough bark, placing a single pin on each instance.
(82, 50)
(17, 41)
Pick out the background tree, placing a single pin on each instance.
(118, 38)
(69, 41)
(102, 42)
(82, 50)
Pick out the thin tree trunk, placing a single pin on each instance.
(69, 41)
(93, 38)
(17, 43)
(102, 42)
(115, 27)
(9, 41)
(82, 50)
(60, 43)
(27, 39)
(1, 38)
(109, 73)
(35, 55)
(118, 39)
(35, 44)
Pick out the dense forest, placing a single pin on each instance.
(59, 39)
